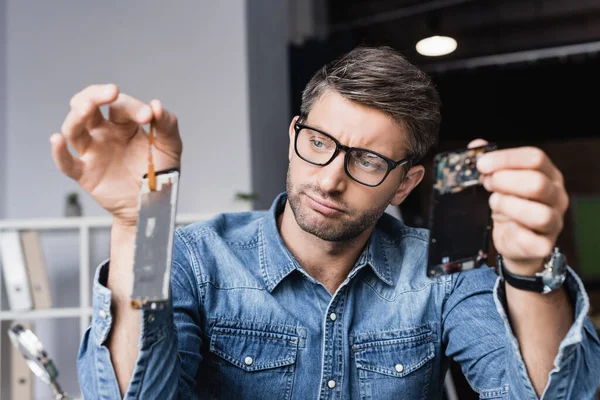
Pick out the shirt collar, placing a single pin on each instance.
(277, 262)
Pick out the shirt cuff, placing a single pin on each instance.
(579, 299)
(155, 323)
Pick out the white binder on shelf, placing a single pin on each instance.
(14, 271)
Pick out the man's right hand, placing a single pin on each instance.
(113, 153)
(113, 158)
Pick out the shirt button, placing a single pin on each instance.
(399, 367)
(151, 318)
(331, 384)
(332, 316)
(102, 314)
(248, 360)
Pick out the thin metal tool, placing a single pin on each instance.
(151, 172)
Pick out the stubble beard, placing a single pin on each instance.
(344, 229)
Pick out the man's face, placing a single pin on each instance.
(325, 201)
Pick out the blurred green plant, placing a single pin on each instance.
(246, 196)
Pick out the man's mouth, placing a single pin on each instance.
(324, 207)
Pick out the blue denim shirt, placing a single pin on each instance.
(247, 322)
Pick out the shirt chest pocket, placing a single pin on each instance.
(394, 363)
(256, 361)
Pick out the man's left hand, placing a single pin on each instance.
(528, 204)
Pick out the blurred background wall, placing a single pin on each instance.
(2, 105)
(524, 73)
(192, 55)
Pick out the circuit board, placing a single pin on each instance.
(457, 171)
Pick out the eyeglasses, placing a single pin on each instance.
(363, 166)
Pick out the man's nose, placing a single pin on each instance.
(332, 177)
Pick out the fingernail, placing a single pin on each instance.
(483, 163)
(493, 200)
(143, 114)
(108, 89)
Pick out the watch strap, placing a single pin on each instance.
(523, 282)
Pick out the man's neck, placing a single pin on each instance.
(327, 262)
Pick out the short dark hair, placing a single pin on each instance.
(383, 79)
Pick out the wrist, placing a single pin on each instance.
(550, 278)
(120, 273)
(529, 267)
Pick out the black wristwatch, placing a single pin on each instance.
(550, 279)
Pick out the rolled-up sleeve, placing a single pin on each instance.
(169, 344)
(478, 335)
(576, 371)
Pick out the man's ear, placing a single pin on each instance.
(292, 134)
(413, 177)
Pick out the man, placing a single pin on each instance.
(325, 295)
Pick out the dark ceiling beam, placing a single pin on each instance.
(347, 10)
(455, 14)
(394, 15)
(490, 14)
(527, 56)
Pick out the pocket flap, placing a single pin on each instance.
(254, 350)
(394, 353)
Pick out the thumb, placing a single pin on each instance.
(477, 143)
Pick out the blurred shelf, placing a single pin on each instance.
(73, 312)
(78, 222)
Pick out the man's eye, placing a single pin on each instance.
(366, 163)
(317, 143)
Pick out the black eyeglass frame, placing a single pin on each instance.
(298, 126)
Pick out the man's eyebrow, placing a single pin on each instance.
(310, 125)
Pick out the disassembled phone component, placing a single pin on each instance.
(157, 207)
(459, 217)
(457, 171)
(154, 242)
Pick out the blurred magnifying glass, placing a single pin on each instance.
(37, 358)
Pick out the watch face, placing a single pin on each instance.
(555, 273)
(561, 264)
(553, 282)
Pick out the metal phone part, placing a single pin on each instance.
(459, 217)
(458, 171)
(154, 241)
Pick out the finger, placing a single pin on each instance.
(127, 110)
(519, 243)
(157, 109)
(167, 130)
(530, 214)
(519, 158)
(63, 159)
(166, 122)
(85, 114)
(476, 143)
(527, 184)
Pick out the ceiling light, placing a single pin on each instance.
(435, 46)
